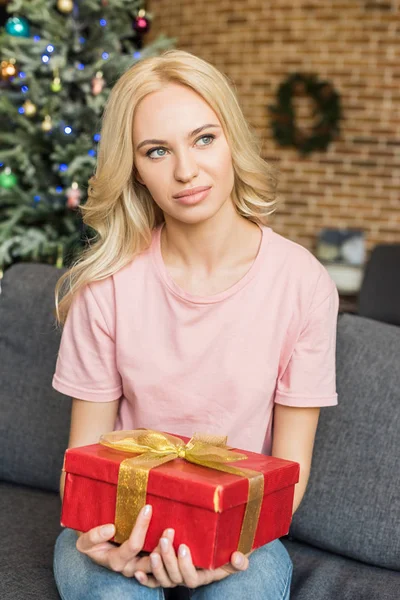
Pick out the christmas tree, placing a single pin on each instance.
(59, 61)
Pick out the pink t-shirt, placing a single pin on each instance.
(215, 364)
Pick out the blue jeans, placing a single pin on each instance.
(77, 577)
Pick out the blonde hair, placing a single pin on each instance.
(121, 210)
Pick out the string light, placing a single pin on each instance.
(59, 189)
(92, 152)
(50, 48)
(103, 22)
(24, 89)
(80, 66)
(21, 75)
(68, 130)
(63, 167)
(45, 58)
(105, 55)
(21, 110)
(97, 137)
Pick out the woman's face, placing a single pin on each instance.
(177, 158)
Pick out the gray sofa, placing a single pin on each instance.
(345, 537)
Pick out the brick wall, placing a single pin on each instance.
(354, 44)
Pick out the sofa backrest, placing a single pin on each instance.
(352, 502)
(34, 418)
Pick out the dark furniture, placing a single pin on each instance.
(379, 296)
(345, 537)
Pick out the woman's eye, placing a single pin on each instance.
(210, 137)
(150, 152)
(155, 150)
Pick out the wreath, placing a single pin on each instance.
(327, 106)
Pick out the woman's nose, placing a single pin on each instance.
(186, 166)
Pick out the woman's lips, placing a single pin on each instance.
(193, 198)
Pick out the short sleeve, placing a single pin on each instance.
(310, 376)
(86, 362)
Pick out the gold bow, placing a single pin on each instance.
(156, 448)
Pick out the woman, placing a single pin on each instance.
(188, 313)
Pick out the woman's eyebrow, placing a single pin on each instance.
(191, 134)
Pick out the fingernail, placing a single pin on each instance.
(107, 530)
(154, 560)
(182, 550)
(164, 543)
(139, 577)
(147, 510)
(170, 533)
(238, 560)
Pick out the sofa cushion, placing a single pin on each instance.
(35, 419)
(321, 575)
(29, 522)
(29, 525)
(352, 502)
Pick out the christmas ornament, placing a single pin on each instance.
(8, 68)
(55, 85)
(141, 22)
(30, 108)
(59, 262)
(65, 6)
(17, 26)
(47, 124)
(73, 195)
(327, 110)
(98, 83)
(7, 178)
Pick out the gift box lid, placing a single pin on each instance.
(182, 481)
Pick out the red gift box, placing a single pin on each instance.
(204, 506)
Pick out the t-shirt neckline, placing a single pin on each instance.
(194, 298)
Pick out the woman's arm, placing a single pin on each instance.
(89, 420)
(293, 438)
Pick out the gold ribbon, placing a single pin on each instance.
(156, 448)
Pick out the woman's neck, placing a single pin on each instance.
(207, 248)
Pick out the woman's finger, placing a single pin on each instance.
(146, 580)
(188, 571)
(239, 562)
(159, 571)
(194, 578)
(134, 544)
(143, 563)
(167, 533)
(139, 564)
(97, 535)
(170, 561)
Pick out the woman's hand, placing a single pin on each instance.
(125, 558)
(169, 570)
